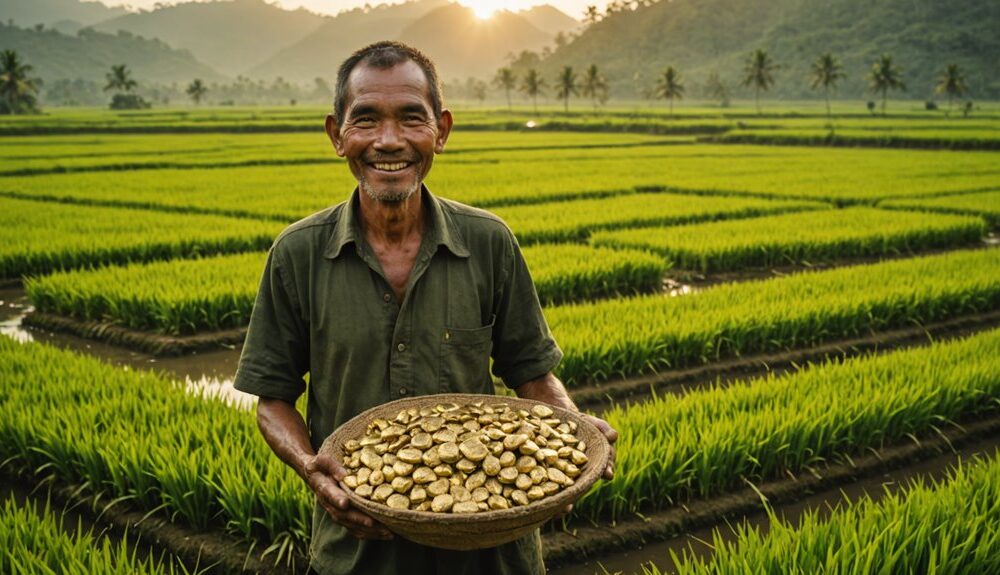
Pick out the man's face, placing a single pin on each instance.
(389, 134)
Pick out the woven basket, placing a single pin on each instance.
(473, 530)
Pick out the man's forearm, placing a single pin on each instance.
(548, 389)
(285, 431)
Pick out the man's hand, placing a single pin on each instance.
(324, 474)
(612, 436)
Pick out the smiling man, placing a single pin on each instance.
(393, 293)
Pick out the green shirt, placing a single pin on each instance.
(325, 308)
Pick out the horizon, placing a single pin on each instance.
(572, 8)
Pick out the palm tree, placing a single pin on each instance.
(17, 90)
(120, 79)
(885, 76)
(670, 86)
(717, 89)
(951, 82)
(196, 90)
(826, 72)
(757, 72)
(594, 85)
(566, 86)
(532, 86)
(505, 79)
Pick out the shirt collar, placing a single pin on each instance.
(441, 228)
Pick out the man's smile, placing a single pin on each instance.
(390, 166)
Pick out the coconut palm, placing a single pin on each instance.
(566, 86)
(532, 86)
(758, 72)
(506, 79)
(826, 72)
(17, 90)
(594, 85)
(951, 82)
(716, 89)
(885, 76)
(197, 90)
(670, 86)
(120, 79)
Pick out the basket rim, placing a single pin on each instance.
(589, 475)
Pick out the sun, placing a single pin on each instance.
(484, 9)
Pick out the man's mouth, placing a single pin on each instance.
(390, 166)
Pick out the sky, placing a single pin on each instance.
(574, 8)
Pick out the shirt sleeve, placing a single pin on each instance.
(275, 354)
(523, 346)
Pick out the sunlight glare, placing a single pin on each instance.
(484, 9)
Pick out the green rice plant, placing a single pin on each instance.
(808, 237)
(34, 540)
(985, 205)
(986, 139)
(706, 442)
(39, 237)
(187, 296)
(575, 220)
(631, 336)
(942, 527)
(138, 438)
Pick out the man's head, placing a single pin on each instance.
(388, 119)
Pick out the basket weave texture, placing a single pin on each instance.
(472, 530)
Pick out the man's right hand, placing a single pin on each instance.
(324, 474)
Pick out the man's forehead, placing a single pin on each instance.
(404, 82)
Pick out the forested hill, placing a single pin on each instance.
(702, 36)
(88, 54)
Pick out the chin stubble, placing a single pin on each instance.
(380, 196)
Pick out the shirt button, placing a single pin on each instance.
(386, 297)
(402, 391)
(401, 347)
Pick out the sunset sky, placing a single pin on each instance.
(574, 8)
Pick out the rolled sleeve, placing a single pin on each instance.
(275, 355)
(523, 346)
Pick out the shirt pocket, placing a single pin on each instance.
(465, 359)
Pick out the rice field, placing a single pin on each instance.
(158, 221)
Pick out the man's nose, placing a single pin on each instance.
(389, 137)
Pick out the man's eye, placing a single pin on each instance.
(414, 119)
(364, 120)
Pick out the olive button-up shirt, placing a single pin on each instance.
(325, 308)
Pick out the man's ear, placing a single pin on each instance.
(444, 130)
(333, 131)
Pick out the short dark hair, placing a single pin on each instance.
(384, 55)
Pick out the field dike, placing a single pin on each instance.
(220, 553)
(853, 141)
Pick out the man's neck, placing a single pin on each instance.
(391, 224)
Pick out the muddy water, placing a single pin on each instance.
(822, 503)
(209, 373)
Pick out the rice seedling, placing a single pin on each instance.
(943, 527)
(631, 336)
(810, 237)
(39, 237)
(985, 205)
(706, 442)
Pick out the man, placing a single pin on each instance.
(390, 294)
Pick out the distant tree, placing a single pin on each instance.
(826, 72)
(505, 79)
(758, 72)
(120, 80)
(475, 89)
(952, 83)
(532, 86)
(196, 90)
(967, 109)
(885, 76)
(871, 107)
(594, 86)
(669, 86)
(566, 86)
(322, 90)
(591, 15)
(17, 91)
(716, 89)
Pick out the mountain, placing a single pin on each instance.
(231, 36)
(319, 54)
(550, 19)
(90, 55)
(701, 36)
(463, 45)
(72, 14)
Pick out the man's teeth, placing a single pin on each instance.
(391, 167)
